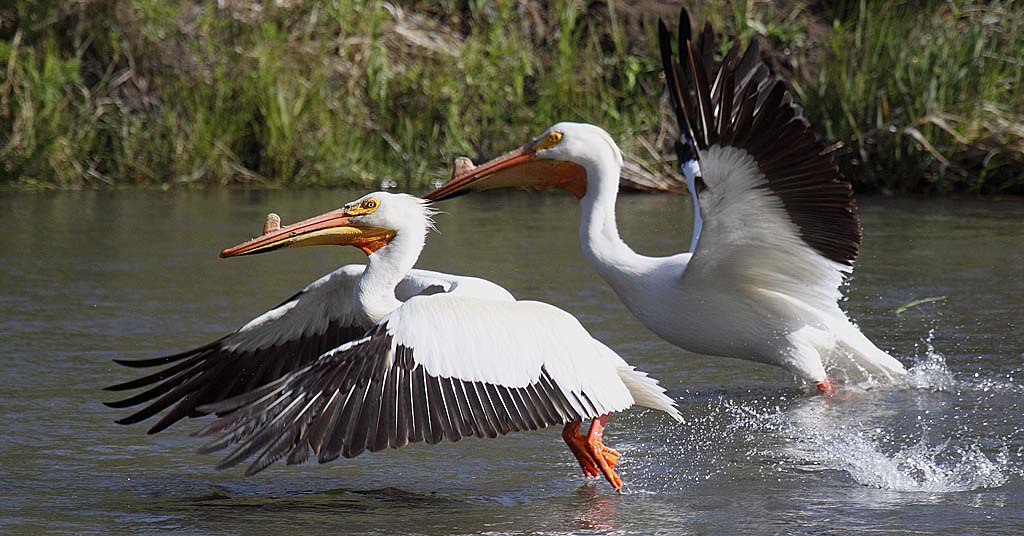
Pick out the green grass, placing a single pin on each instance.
(927, 95)
(343, 92)
(106, 93)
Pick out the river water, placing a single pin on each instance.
(90, 276)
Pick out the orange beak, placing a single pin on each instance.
(331, 228)
(520, 168)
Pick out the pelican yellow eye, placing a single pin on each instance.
(363, 208)
(549, 141)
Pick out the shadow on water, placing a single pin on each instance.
(380, 511)
(221, 501)
(337, 499)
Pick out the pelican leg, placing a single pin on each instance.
(610, 455)
(578, 445)
(604, 456)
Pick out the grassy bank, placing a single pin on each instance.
(146, 92)
(927, 96)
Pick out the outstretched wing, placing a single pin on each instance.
(439, 367)
(775, 212)
(285, 338)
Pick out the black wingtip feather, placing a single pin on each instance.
(216, 372)
(152, 362)
(337, 406)
(141, 397)
(684, 25)
(748, 109)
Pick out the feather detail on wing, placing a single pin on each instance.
(286, 338)
(775, 214)
(439, 367)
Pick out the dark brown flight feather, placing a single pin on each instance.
(225, 368)
(747, 109)
(362, 397)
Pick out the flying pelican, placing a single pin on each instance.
(411, 356)
(775, 229)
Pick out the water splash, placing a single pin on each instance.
(930, 371)
(812, 437)
(881, 462)
(938, 432)
(850, 435)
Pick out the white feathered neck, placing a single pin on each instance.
(411, 218)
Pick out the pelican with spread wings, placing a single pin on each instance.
(775, 228)
(379, 356)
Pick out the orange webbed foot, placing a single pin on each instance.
(578, 445)
(604, 456)
(610, 455)
(594, 457)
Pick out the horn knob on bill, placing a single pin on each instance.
(272, 224)
(462, 166)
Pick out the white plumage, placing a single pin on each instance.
(775, 230)
(439, 357)
(457, 337)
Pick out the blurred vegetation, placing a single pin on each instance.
(920, 96)
(929, 96)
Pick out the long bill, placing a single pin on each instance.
(331, 228)
(521, 168)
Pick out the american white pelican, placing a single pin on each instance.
(379, 356)
(775, 229)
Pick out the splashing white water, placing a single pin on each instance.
(818, 434)
(812, 440)
(930, 371)
(930, 434)
(919, 467)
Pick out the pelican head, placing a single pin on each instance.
(558, 158)
(368, 223)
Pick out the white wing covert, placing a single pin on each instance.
(775, 213)
(438, 367)
(284, 339)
